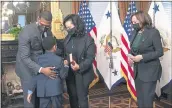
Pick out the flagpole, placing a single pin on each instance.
(131, 11)
(130, 99)
(154, 15)
(111, 59)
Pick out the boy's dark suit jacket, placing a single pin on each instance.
(149, 68)
(46, 86)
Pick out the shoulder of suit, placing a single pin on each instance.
(31, 26)
(55, 57)
(154, 30)
(27, 30)
(88, 38)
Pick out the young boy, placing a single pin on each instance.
(49, 90)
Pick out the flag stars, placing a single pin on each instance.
(108, 14)
(84, 12)
(115, 72)
(156, 8)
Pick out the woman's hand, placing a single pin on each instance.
(136, 58)
(74, 66)
(130, 61)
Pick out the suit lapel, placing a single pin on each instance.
(38, 32)
(67, 40)
(133, 37)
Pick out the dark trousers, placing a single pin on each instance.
(51, 102)
(34, 100)
(77, 91)
(145, 93)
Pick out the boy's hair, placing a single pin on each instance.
(48, 42)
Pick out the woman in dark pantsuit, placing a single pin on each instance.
(82, 48)
(146, 48)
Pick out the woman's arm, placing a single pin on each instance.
(156, 39)
(90, 56)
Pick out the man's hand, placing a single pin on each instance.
(74, 66)
(29, 96)
(136, 58)
(48, 72)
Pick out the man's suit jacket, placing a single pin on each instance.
(29, 47)
(150, 47)
(85, 56)
(46, 86)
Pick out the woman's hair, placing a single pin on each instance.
(144, 19)
(77, 22)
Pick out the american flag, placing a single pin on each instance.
(91, 29)
(127, 70)
(127, 22)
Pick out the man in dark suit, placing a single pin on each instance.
(49, 90)
(29, 47)
(82, 48)
(146, 48)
